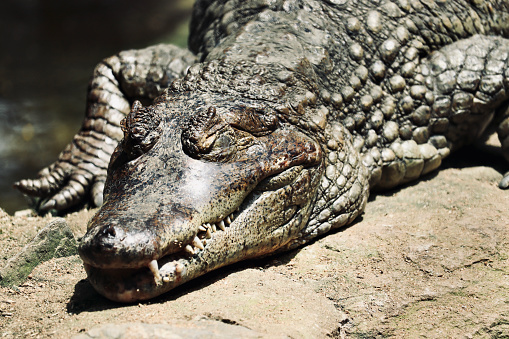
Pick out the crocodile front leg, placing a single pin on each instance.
(436, 104)
(79, 173)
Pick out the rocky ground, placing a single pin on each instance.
(429, 260)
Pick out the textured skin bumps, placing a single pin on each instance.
(282, 116)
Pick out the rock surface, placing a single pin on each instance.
(187, 329)
(53, 241)
(429, 260)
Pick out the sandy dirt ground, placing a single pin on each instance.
(429, 260)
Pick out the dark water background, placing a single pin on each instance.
(48, 49)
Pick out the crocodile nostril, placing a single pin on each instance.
(109, 231)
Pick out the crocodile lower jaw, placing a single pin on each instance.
(131, 285)
(159, 276)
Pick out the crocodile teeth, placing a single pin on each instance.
(205, 232)
(179, 268)
(176, 270)
(155, 270)
(221, 225)
(197, 243)
(189, 249)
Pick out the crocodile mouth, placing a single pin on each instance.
(131, 284)
(171, 267)
(215, 244)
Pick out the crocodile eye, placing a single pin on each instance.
(209, 137)
(140, 129)
(223, 147)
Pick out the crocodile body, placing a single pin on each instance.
(271, 129)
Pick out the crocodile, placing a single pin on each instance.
(271, 129)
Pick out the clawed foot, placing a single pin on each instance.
(58, 188)
(77, 177)
(72, 193)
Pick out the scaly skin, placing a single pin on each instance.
(290, 113)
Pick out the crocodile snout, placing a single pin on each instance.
(110, 246)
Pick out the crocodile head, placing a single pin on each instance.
(194, 188)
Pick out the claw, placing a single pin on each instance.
(30, 187)
(97, 193)
(67, 197)
(50, 179)
(48, 205)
